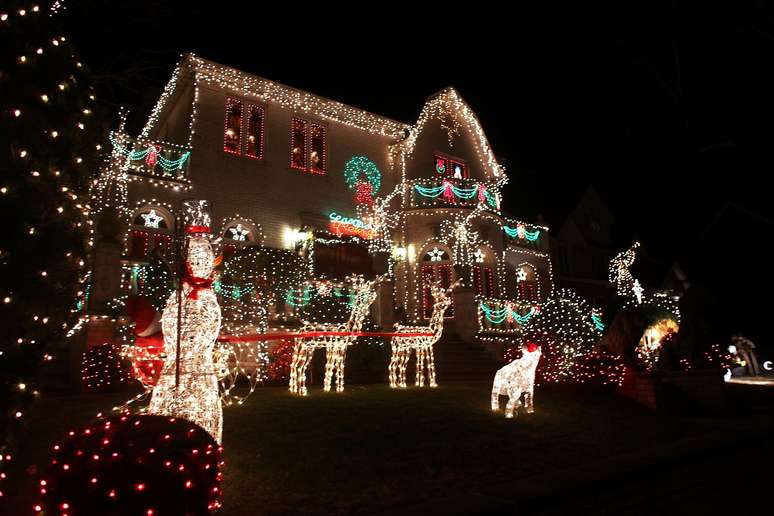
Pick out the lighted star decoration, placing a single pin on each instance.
(436, 255)
(521, 275)
(479, 254)
(638, 290)
(239, 233)
(151, 219)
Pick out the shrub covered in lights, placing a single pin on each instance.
(563, 329)
(635, 334)
(104, 369)
(133, 464)
(280, 357)
(269, 272)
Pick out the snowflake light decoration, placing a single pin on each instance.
(435, 254)
(151, 219)
(239, 233)
(521, 275)
(479, 255)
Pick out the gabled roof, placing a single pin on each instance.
(450, 108)
(249, 85)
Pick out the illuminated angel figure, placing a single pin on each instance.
(422, 345)
(620, 275)
(363, 295)
(517, 379)
(189, 390)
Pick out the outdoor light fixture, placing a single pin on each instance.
(399, 252)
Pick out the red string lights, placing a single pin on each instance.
(132, 464)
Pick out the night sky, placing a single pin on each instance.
(667, 110)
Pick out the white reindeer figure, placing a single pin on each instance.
(363, 294)
(517, 379)
(423, 346)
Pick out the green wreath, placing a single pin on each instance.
(358, 165)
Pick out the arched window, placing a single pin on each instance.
(238, 234)
(436, 266)
(150, 229)
(483, 273)
(527, 286)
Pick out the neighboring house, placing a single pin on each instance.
(271, 159)
(582, 249)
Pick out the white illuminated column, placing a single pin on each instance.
(189, 390)
(363, 295)
(517, 379)
(422, 346)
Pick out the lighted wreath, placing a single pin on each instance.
(360, 170)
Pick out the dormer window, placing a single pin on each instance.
(458, 169)
(450, 168)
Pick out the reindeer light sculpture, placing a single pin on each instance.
(363, 295)
(422, 345)
(517, 379)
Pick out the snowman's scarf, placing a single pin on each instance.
(196, 283)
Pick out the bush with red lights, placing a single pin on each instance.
(595, 367)
(132, 464)
(280, 357)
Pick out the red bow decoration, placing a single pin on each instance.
(532, 347)
(195, 283)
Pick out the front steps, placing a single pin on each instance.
(460, 361)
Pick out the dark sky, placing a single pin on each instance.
(666, 109)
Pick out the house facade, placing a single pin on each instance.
(348, 190)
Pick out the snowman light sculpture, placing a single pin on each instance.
(188, 388)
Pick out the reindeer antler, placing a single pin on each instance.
(454, 285)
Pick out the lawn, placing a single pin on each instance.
(372, 449)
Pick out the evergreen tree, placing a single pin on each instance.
(48, 147)
(563, 329)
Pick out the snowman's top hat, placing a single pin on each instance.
(196, 217)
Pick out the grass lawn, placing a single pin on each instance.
(372, 448)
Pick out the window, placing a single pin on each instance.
(435, 267)
(317, 151)
(458, 170)
(236, 236)
(450, 168)
(151, 232)
(527, 285)
(232, 132)
(483, 280)
(255, 122)
(298, 144)
(308, 148)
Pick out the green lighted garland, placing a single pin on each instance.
(497, 316)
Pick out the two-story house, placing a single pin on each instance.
(287, 169)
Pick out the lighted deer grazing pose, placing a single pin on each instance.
(422, 345)
(362, 293)
(517, 379)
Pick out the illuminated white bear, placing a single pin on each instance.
(517, 379)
